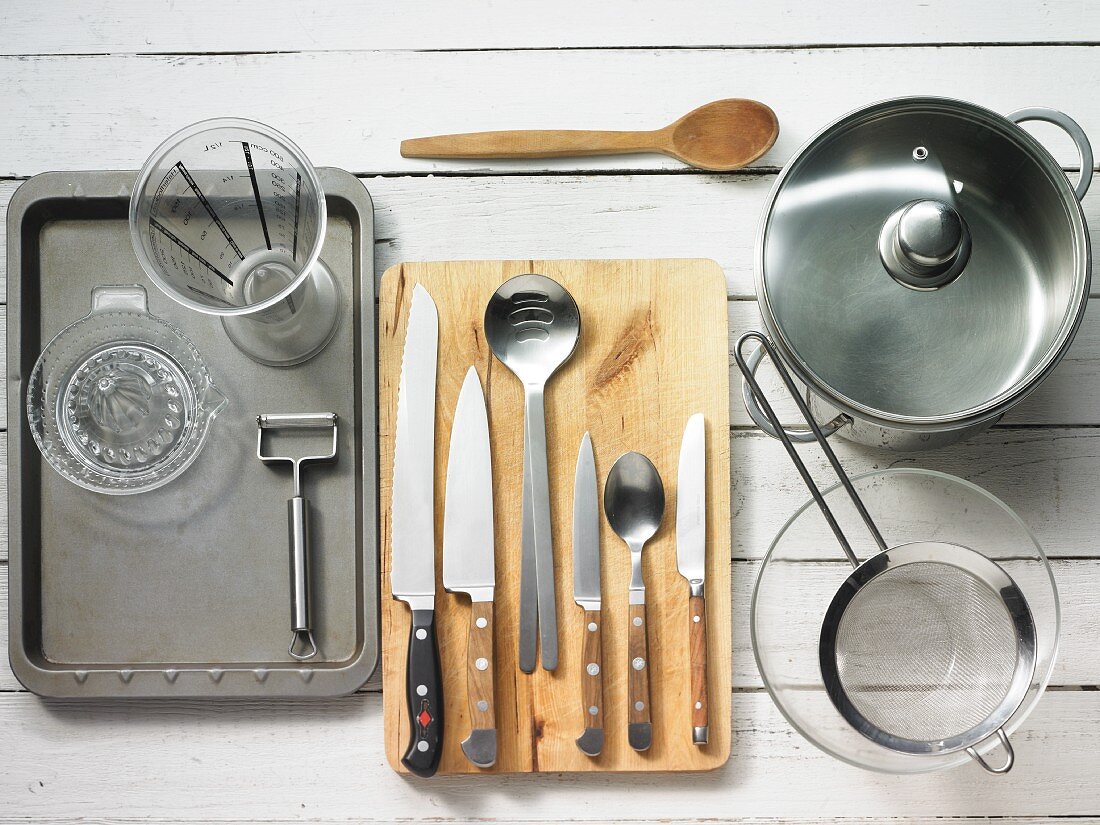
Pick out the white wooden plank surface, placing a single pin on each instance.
(324, 761)
(1077, 663)
(115, 109)
(572, 216)
(285, 25)
(1058, 501)
(375, 73)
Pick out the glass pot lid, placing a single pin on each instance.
(923, 261)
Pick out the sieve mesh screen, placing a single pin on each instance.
(926, 651)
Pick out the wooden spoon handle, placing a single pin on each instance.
(531, 144)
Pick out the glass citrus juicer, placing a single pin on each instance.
(228, 218)
(120, 401)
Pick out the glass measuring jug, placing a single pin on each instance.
(228, 218)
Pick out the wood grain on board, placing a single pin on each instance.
(653, 351)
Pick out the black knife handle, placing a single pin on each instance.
(424, 696)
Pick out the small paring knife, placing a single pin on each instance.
(412, 558)
(586, 593)
(691, 561)
(468, 559)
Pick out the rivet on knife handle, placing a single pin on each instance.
(424, 696)
(640, 729)
(480, 746)
(697, 612)
(591, 741)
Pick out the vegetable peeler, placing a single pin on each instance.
(302, 644)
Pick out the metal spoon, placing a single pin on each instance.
(532, 324)
(634, 503)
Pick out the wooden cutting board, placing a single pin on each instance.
(653, 350)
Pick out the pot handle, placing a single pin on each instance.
(752, 407)
(1070, 127)
(1010, 755)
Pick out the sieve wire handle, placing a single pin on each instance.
(1010, 755)
(800, 465)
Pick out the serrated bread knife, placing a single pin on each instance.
(412, 558)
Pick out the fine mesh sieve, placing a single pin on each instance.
(927, 647)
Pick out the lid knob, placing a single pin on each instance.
(924, 244)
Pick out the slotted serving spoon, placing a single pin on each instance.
(719, 136)
(532, 325)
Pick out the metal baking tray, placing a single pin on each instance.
(185, 590)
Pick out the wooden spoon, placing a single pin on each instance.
(720, 136)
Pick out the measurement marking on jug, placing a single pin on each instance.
(210, 209)
(256, 191)
(297, 206)
(174, 239)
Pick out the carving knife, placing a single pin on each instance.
(412, 558)
(691, 557)
(468, 565)
(586, 593)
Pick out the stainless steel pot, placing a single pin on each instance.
(922, 266)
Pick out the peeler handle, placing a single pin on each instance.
(301, 621)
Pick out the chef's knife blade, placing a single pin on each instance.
(586, 592)
(691, 557)
(468, 564)
(412, 557)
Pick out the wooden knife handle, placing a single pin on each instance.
(424, 696)
(591, 741)
(700, 725)
(532, 143)
(640, 729)
(480, 746)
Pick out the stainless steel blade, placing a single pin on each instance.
(468, 565)
(586, 530)
(412, 565)
(691, 503)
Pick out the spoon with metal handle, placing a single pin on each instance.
(532, 325)
(720, 136)
(634, 503)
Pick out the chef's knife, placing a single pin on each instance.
(412, 558)
(691, 558)
(586, 593)
(468, 559)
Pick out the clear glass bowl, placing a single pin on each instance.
(805, 566)
(120, 401)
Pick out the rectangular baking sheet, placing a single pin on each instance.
(185, 590)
